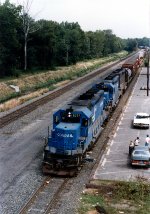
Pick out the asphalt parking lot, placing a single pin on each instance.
(114, 164)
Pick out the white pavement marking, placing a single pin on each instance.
(112, 142)
(125, 109)
(117, 160)
(116, 142)
(106, 173)
(108, 152)
(115, 135)
(104, 161)
(102, 158)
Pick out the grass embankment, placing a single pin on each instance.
(34, 85)
(113, 197)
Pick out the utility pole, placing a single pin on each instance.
(148, 72)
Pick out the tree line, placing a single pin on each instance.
(27, 44)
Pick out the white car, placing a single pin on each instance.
(141, 120)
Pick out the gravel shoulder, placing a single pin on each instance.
(21, 146)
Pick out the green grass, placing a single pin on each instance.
(116, 196)
(10, 96)
(51, 82)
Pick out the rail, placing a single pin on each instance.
(41, 199)
(10, 117)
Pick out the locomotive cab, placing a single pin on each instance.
(68, 139)
(112, 82)
(70, 129)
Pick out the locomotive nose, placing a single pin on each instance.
(69, 133)
(64, 138)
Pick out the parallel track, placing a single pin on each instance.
(10, 117)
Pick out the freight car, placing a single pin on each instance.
(77, 125)
(133, 63)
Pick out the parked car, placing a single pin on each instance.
(140, 156)
(141, 120)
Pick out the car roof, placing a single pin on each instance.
(145, 148)
(143, 152)
(142, 114)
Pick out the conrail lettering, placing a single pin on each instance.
(64, 135)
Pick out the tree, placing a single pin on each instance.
(9, 43)
(74, 42)
(28, 26)
(95, 43)
(143, 42)
(45, 43)
(131, 45)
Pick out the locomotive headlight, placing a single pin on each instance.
(69, 114)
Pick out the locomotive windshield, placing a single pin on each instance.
(70, 117)
(106, 89)
(101, 86)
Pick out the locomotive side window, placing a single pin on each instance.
(84, 122)
(56, 119)
(63, 116)
(90, 121)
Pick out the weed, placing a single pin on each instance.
(28, 83)
(117, 197)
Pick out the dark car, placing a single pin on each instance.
(140, 156)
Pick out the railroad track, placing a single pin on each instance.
(10, 117)
(46, 197)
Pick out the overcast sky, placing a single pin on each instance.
(126, 18)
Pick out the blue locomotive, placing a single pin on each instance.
(77, 125)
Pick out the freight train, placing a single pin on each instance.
(77, 125)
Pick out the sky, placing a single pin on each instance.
(126, 18)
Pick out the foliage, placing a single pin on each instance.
(9, 38)
(50, 44)
(144, 42)
(131, 45)
(117, 197)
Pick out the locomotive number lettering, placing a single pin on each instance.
(64, 135)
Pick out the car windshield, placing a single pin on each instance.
(141, 116)
(141, 152)
(143, 148)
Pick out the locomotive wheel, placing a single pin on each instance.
(79, 159)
